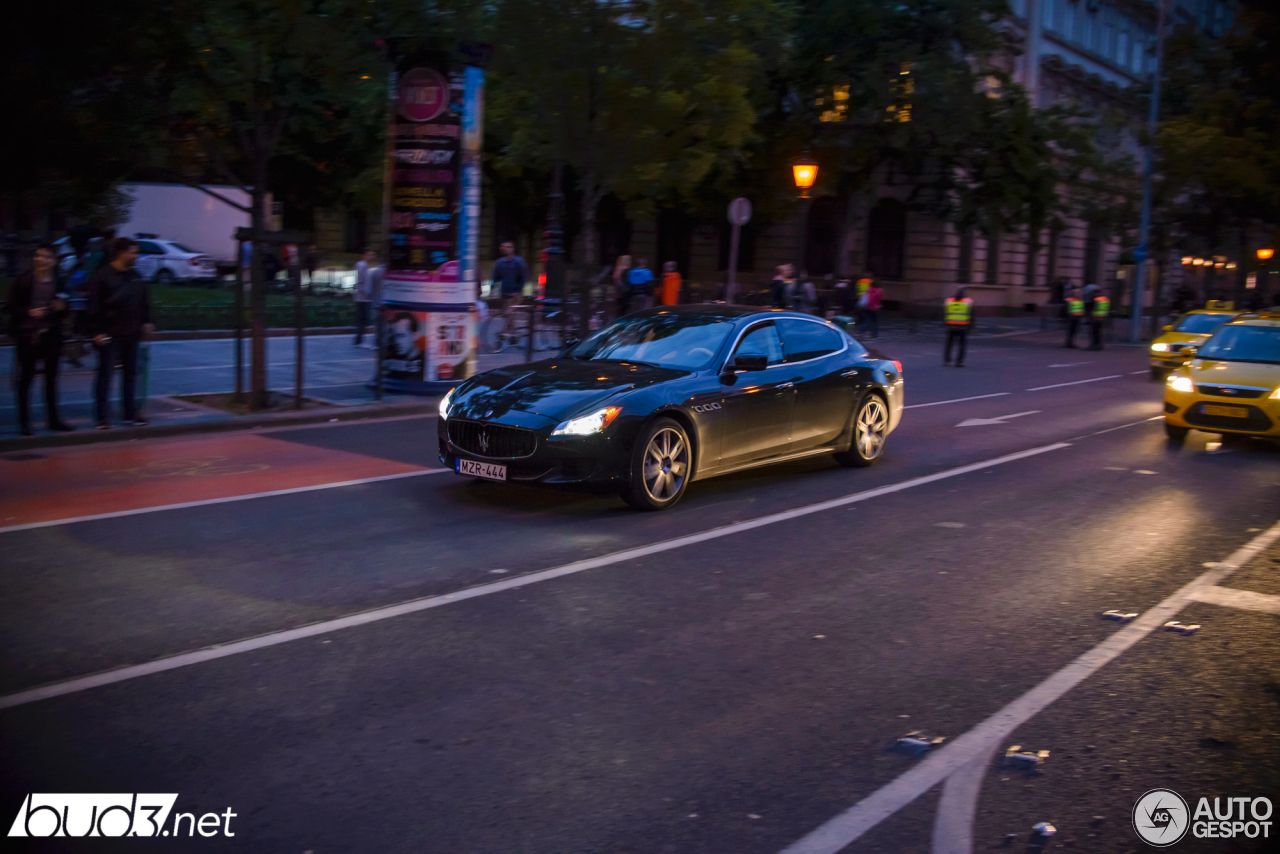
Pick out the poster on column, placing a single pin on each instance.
(404, 353)
(426, 136)
(450, 345)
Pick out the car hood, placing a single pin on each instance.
(557, 388)
(1212, 372)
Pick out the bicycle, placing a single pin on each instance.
(500, 332)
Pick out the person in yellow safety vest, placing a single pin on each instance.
(957, 316)
(1075, 311)
(1101, 311)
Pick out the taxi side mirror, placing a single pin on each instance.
(1190, 350)
(1165, 328)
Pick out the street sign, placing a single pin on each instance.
(739, 211)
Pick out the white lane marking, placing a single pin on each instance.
(953, 823)
(938, 766)
(1077, 382)
(1244, 599)
(227, 500)
(109, 677)
(1070, 364)
(1143, 371)
(957, 400)
(979, 422)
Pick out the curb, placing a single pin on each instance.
(244, 422)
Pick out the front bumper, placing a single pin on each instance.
(594, 461)
(1250, 417)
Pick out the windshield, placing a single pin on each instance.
(685, 342)
(1201, 324)
(1240, 343)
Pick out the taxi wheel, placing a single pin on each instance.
(1177, 434)
(1158, 374)
(661, 463)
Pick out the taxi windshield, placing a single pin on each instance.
(1242, 343)
(1201, 324)
(666, 340)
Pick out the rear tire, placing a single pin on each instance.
(491, 333)
(661, 464)
(1158, 374)
(1175, 433)
(870, 432)
(164, 276)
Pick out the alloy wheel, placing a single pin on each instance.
(873, 422)
(666, 464)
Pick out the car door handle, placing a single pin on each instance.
(784, 385)
(849, 373)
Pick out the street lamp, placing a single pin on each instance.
(805, 171)
(1265, 254)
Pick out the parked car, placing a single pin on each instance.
(167, 261)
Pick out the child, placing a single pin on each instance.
(670, 284)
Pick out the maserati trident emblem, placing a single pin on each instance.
(488, 414)
(483, 441)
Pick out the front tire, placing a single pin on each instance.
(870, 431)
(164, 276)
(1175, 433)
(661, 463)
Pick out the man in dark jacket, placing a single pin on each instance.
(35, 312)
(119, 319)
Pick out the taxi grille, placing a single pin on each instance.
(1255, 419)
(1228, 391)
(496, 441)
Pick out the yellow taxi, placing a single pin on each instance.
(1193, 328)
(1230, 383)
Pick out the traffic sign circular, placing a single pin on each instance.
(424, 94)
(739, 211)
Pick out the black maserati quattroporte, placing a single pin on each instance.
(667, 396)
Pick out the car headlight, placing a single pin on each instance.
(1160, 347)
(1181, 383)
(588, 424)
(1275, 395)
(444, 403)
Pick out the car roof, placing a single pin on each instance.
(724, 310)
(1254, 320)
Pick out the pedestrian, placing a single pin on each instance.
(957, 315)
(1074, 307)
(119, 319)
(782, 286)
(621, 284)
(1097, 316)
(364, 294)
(510, 273)
(801, 295)
(872, 300)
(36, 309)
(640, 280)
(671, 283)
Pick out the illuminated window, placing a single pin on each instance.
(839, 111)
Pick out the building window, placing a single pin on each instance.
(964, 269)
(992, 276)
(886, 239)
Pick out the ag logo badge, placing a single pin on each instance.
(1161, 817)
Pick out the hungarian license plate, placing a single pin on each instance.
(488, 471)
(1226, 411)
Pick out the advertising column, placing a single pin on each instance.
(428, 293)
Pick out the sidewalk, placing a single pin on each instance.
(334, 372)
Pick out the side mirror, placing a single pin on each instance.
(749, 363)
(1165, 328)
(1190, 350)
(569, 344)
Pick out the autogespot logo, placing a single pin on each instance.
(113, 816)
(1160, 817)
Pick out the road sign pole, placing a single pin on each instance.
(731, 288)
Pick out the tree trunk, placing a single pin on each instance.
(258, 306)
(590, 202)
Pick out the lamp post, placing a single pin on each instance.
(1264, 255)
(1148, 156)
(804, 169)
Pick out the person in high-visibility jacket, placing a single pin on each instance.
(1101, 311)
(1075, 312)
(957, 316)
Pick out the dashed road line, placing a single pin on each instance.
(1077, 382)
(957, 400)
(1246, 600)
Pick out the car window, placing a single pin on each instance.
(668, 340)
(146, 247)
(761, 341)
(807, 339)
(181, 248)
(1201, 324)
(1244, 343)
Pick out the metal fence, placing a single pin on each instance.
(196, 316)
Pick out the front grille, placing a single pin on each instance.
(1228, 391)
(1256, 421)
(496, 441)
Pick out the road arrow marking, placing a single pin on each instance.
(982, 422)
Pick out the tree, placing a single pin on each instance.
(636, 98)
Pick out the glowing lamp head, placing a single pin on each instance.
(1187, 259)
(1199, 262)
(805, 171)
(1265, 254)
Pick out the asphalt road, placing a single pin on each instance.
(723, 677)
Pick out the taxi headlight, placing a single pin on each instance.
(1160, 347)
(444, 403)
(1275, 395)
(1181, 383)
(587, 424)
